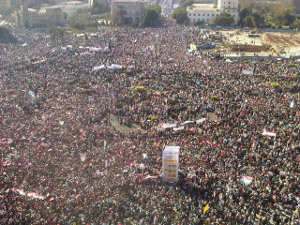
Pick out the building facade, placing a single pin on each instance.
(4, 2)
(296, 4)
(32, 18)
(72, 7)
(133, 9)
(208, 12)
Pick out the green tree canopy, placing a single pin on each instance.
(283, 13)
(98, 8)
(5, 11)
(297, 23)
(224, 19)
(6, 36)
(255, 20)
(180, 15)
(151, 16)
(77, 24)
(285, 18)
(118, 17)
(253, 13)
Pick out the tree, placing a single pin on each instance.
(255, 11)
(151, 16)
(187, 3)
(255, 20)
(5, 11)
(286, 18)
(242, 16)
(224, 19)
(156, 7)
(98, 8)
(247, 22)
(77, 24)
(6, 36)
(180, 15)
(118, 16)
(297, 23)
(283, 13)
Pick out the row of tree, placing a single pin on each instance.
(150, 17)
(252, 13)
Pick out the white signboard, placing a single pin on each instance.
(170, 162)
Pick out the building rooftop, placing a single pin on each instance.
(71, 3)
(130, 1)
(202, 7)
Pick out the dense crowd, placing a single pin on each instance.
(81, 141)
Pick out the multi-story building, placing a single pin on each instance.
(296, 4)
(4, 2)
(72, 7)
(208, 12)
(33, 18)
(133, 9)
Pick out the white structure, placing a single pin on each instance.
(230, 6)
(208, 12)
(71, 8)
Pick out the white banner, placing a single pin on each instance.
(269, 133)
(246, 180)
(248, 72)
(99, 67)
(200, 120)
(164, 126)
(31, 96)
(170, 162)
(114, 67)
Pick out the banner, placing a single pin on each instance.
(292, 104)
(247, 72)
(246, 180)
(114, 67)
(82, 157)
(170, 162)
(164, 126)
(31, 96)
(269, 133)
(31, 195)
(99, 67)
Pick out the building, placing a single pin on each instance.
(104, 2)
(72, 7)
(33, 18)
(208, 12)
(54, 2)
(133, 9)
(296, 4)
(4, 2)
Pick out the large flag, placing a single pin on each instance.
(206, 208)
(269, 133)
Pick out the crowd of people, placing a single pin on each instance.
(81, 137)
